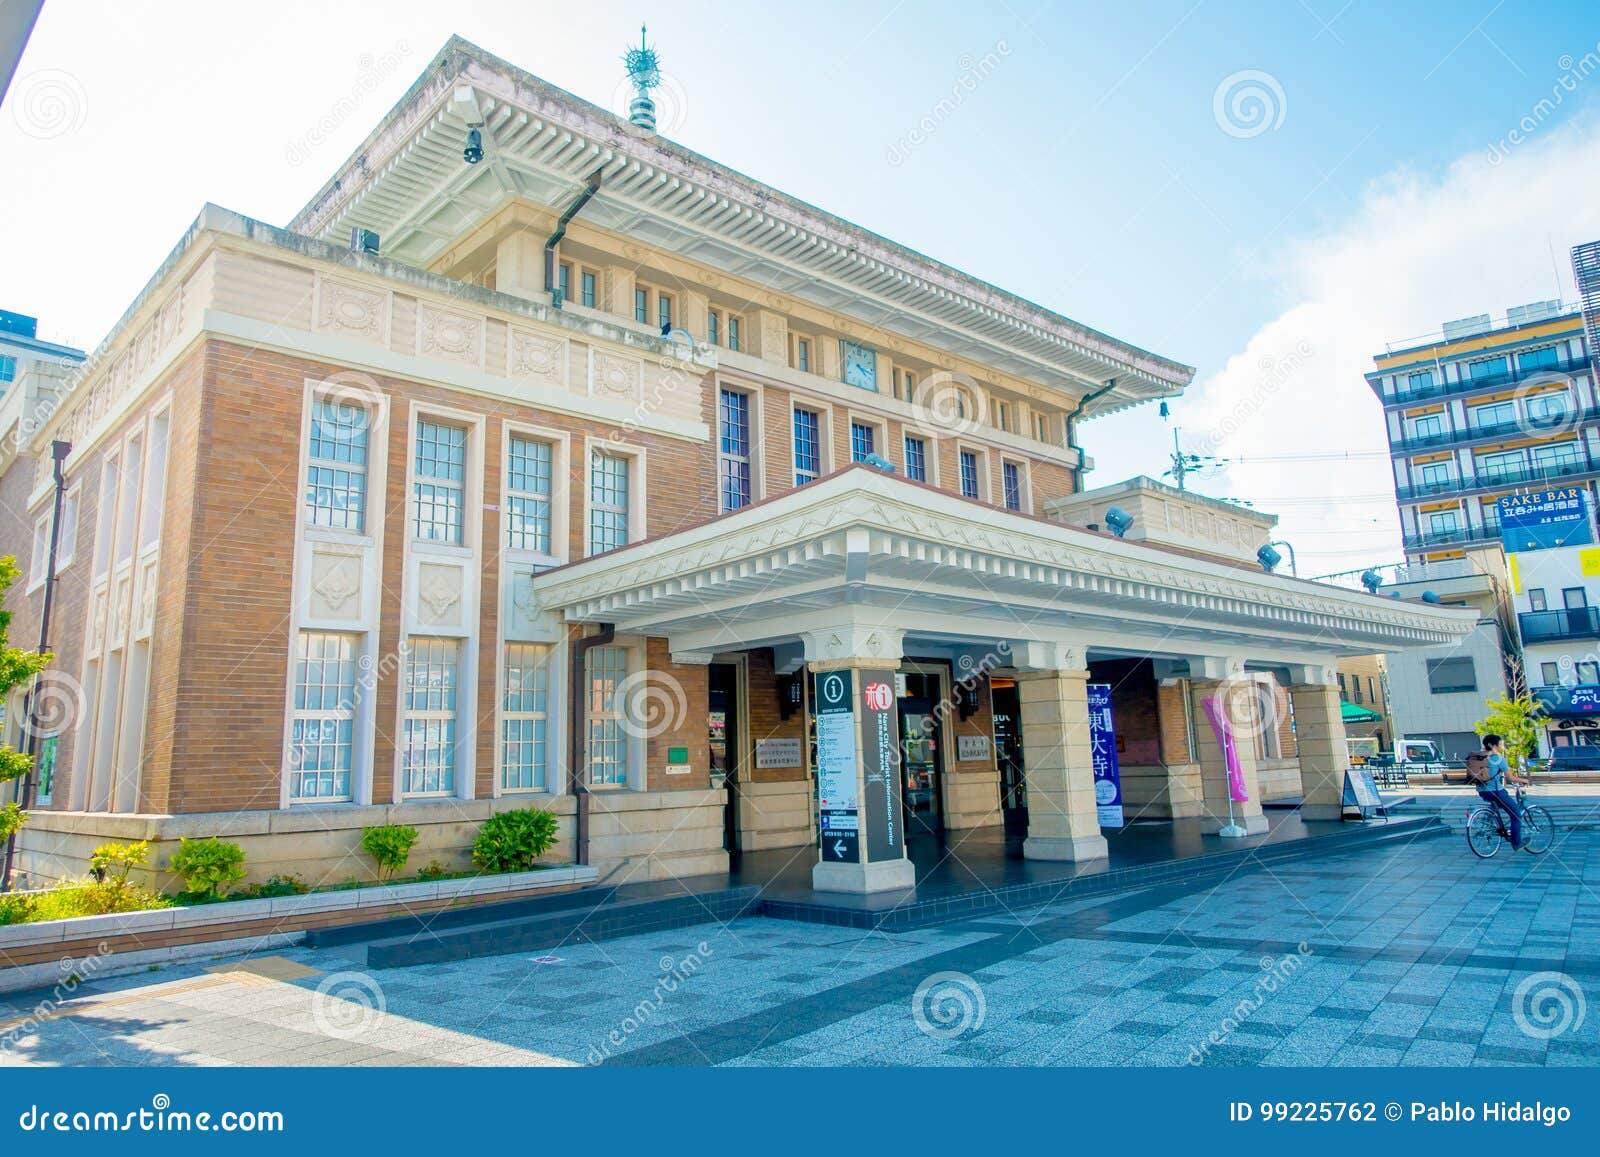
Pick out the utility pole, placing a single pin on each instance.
(1183, 463)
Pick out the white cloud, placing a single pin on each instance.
(1418, 252)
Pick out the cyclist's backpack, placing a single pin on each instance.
(1478, 768)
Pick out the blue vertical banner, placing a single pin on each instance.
(1103, 753)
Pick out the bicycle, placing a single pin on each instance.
(1486, 827)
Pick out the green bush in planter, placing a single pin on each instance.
(207, 866)
(512, 841)
(390, 845)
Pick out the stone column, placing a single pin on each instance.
(862, 843)
(1063, 820)
(1319, 738)
(1224, 679)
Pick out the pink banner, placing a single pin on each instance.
(1223, 728)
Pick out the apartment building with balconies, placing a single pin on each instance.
(1488, 407)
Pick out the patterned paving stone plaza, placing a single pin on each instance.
(1415, 954)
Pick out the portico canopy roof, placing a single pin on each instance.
(862, 544)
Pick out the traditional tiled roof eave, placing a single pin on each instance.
(567, 138)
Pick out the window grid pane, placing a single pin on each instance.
(441, 470)
(807, 446)
(1013, 480)
(529, 469)
(321, 738)
(969, 474)
(733, 457)
(916, 460)
(429, 753)
(861, 441)
(608, 502)
(524, 716)
(608, 741)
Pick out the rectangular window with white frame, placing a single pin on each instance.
(322, 731)
(916, 459)
(155, 481)
(67, 540)
(439, 479)
(428, 742)
(525, 718)
(529, 502)
(336, 467)
(971, 468)
(809, 433)
(109, 474)
(863, 440)
(40, 560)
(1015, 485)
(735, 451)
(610, 500)
(128, 498)
(608, 736)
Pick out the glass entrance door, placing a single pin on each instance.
(1008, 755)
(723, 734)
(921, 759)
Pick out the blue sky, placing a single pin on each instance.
(1086, 168)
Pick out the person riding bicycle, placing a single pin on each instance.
(1494, 789)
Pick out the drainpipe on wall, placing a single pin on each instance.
(577, 733)
(1071, 424)
(589, 190)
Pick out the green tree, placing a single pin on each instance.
(16, 668)
(1517, 719)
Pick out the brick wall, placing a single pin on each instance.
(766, 721)
(1133, 708)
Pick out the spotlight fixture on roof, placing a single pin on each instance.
(1268, 558)
(473, 153)
(1119, 520)
(879, 462)
(1372, 580)
(1430, 597)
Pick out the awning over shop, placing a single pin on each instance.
(1353, 714)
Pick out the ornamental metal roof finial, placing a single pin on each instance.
(644, 70)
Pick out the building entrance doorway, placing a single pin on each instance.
(1008, 755)
(725, 739)
(921, 753)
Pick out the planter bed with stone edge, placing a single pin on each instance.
(36, 954)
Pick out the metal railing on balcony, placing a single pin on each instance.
(1430, 539)
(1406, 396)
(1531, 425)
(1490, 478)
(1553, 626)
